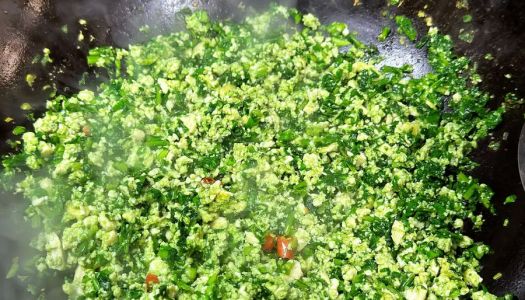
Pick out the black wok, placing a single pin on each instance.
(28, 26)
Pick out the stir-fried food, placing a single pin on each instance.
(271, 158)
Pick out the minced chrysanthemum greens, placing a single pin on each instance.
(261, 160)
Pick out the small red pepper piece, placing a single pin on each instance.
(151, 279)
(283, 248)
(269, 243)
(208, 180)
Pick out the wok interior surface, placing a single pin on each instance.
(26, 27)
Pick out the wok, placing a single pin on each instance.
(28, 26)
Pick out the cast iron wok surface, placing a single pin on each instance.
(28, 26)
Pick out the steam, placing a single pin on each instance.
(15, 233)
(15, 238)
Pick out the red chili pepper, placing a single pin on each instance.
(269, 243)
(151, 279)
(283, 248)
(208, 180)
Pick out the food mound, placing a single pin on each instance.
(268, 159)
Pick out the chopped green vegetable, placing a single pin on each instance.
(466, 35)
(385, 32)
(13, 270)
(497, 276)
(467, 18)
(30, 79)
(394, 2)
(80, 37)
(18, 130)
(145, 29)
(462, 4)
(510, 199)
(26, 106)
(46, 57)
(406, 28)
(494, 145)
(257, 160)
